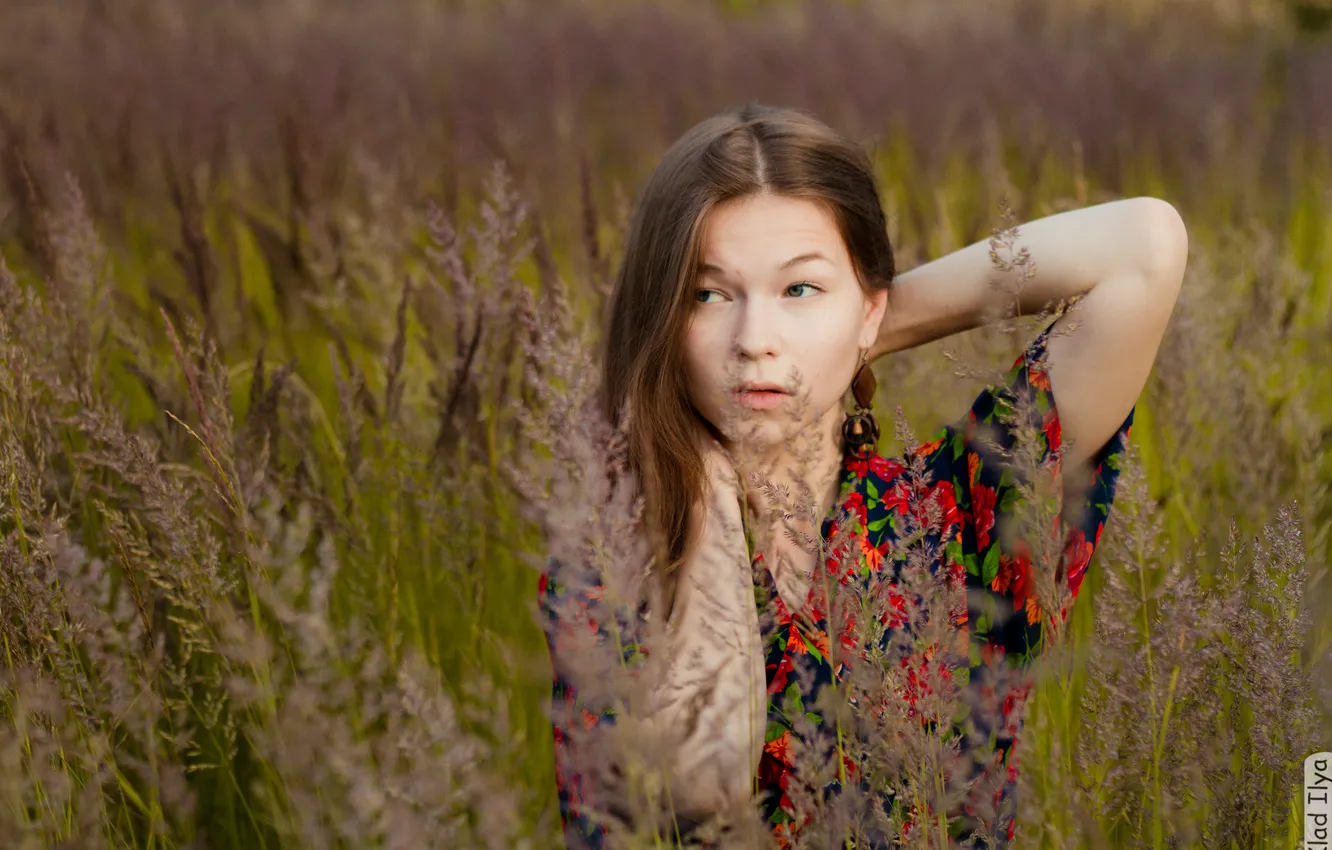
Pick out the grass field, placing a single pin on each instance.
(298, 295)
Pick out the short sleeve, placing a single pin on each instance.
(578, 622)
(1019, 510)
(1020, 521)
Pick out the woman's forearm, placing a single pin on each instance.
(711, 715)
(710, 705)
(1071, 251)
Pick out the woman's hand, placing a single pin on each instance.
(713, 700)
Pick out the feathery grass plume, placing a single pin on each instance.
(82, 262)
(89, 623)
(578, 487)
(904, 692)
(360, 749)
(187, 667)
(782, 510)
(1273, 716)
(1149, 702)
(478, 300)
(283, 99)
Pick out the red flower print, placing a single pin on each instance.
(770, 768)
(795, 644)
(973, 467)
(779, 674)
(873, 556)
(1077, 555)
(943, 495)
(897, 498)
(820, 640)
(842, 563)
(1039, 378)
(1014, 578)
(854, 504)
(1013, 701)
(982, 511)
(958, 581)
(787, 804)
(1034, 611)
(780, 748)
(816, 607)
(926, 449)
(894, 613)
(948, 497)
(884, 468)
(1096, 538)
(918, 676)
(847, 633)
(1052, 430)
(849, 766)
(910, 821)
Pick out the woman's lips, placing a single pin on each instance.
(762, 399)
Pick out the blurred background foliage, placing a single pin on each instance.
(264, 173)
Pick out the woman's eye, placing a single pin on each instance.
(803, 285)
(702, 295)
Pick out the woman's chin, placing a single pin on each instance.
(763, 434)
(765, 438)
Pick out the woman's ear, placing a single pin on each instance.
(876, 305)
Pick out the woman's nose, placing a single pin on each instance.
(757, 332)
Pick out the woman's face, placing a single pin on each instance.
(779, 320)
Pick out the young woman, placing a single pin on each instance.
(758, 284)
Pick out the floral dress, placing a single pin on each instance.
(951, 497)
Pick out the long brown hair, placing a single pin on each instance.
(742, 152)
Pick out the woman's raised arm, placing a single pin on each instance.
(1125, 257)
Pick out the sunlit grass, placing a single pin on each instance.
(327, 496)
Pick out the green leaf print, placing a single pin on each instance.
(809, 646)
(953, 552)
(990, 568)
(794, 699)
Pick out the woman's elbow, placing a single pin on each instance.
(1163, 245)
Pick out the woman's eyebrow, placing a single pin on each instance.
(807, 257)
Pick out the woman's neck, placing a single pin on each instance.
(814, 458)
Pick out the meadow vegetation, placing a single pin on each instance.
(298, 314)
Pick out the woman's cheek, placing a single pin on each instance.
(705, 392)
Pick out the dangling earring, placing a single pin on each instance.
(860, 431)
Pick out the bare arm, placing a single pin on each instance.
(711, 706)
(1126, 257)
